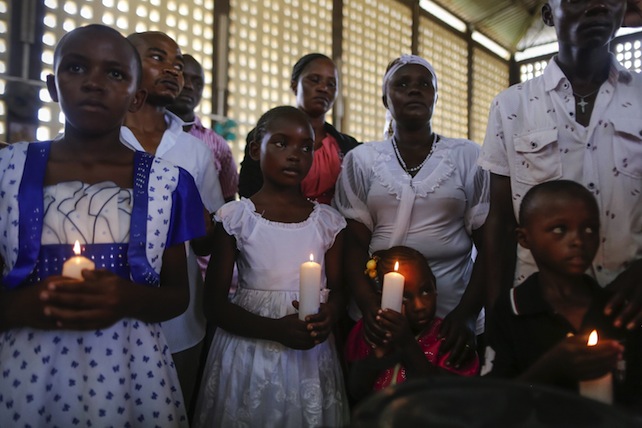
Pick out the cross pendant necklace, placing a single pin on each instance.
(582, 102)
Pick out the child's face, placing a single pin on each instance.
(162, 68)
(286, 151)
(419, 300)
(95, 81)
(562, 234)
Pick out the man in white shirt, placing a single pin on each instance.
(155, 130)
(581, 120)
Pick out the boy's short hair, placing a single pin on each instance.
(105, 29)
(568, 188)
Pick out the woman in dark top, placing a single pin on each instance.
(314, 82)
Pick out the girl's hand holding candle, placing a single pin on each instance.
(600, 389)
(74, 266)
(392, 295)
(309, 288)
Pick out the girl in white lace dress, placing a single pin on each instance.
(266, 367)
(89, 351)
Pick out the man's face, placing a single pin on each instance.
(162, 68)
(192, 91)
(584, 23)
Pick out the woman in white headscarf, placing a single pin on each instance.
(422, 190)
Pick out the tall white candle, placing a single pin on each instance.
(392, 295)
(73, 267)
(600, 389)
(309, 288)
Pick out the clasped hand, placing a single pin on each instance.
(95, 302)
(385, 327)
(572, 359)
(306, 334)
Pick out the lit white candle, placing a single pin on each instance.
(600, 389)
(74, 266)
(309, 288)
(392, 295)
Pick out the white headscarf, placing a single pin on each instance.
(397, 64)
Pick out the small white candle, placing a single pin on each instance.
(74, 266)
(600, 389)
(309, 288)
(392, 295)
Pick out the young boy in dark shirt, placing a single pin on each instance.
(538, 330)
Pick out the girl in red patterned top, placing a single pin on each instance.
(411, 348)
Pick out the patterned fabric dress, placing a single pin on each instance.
(259, 383)
(119, 376)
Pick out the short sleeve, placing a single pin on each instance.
(208, 182)
(187, 221)
(478, 197)
(330, 224)
(237, 220)
(353, 185)
(494, 156)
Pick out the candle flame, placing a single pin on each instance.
(592, 340)
(396, 266)
(77, 248)
(311, 257)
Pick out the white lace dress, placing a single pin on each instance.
(259, 383)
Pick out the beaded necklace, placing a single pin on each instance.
(418, 167)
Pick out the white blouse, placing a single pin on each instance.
(433, 212)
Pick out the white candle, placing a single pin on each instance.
(74, 266)
(600, 389)
(392, 295)
(309, 288)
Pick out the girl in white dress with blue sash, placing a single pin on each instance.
(89, 351)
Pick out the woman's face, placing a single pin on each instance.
(410, 95)
(316, 88)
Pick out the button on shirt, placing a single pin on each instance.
(532, 136)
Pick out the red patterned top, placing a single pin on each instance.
(358, 349)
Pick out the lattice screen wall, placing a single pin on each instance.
(490, 78)
(266, 39)
(5, 17)
(531, 69)
(374, 33)
(629, 54)
(628, 51)
(189, 23)
(448, 54)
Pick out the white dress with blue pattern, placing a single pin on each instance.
(121, 376)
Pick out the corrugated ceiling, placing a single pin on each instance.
(514, 24)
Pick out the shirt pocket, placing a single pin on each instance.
(627, 146)
(538, 157)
